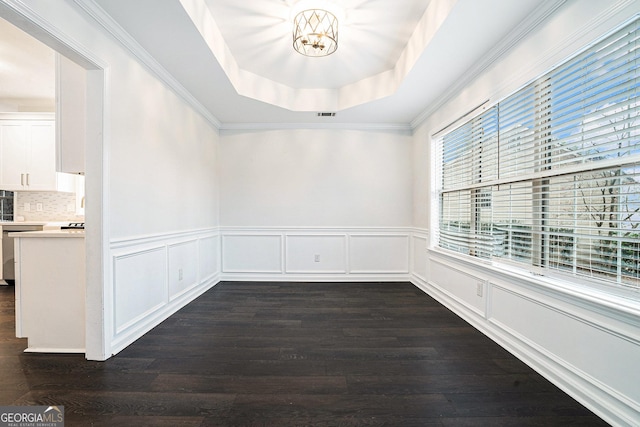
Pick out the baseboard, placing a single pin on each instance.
(54, 350)
(245, 277)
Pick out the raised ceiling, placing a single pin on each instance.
(396, 60)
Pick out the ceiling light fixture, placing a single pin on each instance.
(315, 32)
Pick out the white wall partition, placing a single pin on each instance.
(151, 171)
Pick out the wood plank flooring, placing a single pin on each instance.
(293, 354)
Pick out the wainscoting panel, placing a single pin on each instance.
(252, 253)
(316, 253)
(209, 261)
(467, 289)
(140, 286)
(587, 346)
(183, 267)
(419, 256)
(154, 276)
(382, 253)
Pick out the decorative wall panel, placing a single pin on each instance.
(209, 257)
(140, 285)
(252, 253)
(183, 267)
(419, 256)
(379, 253)
(314, 253)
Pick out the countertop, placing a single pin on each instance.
(26, 222)
(49, 233)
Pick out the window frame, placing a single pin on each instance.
(541, 178)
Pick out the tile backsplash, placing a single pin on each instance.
(46, 206)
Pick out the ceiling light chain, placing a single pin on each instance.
(315, 32)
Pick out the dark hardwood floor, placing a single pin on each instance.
(293, 354)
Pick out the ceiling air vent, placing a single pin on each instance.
(326, 114)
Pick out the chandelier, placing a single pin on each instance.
(315, 32)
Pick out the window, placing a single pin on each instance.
(549, 178)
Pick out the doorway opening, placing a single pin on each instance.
(93, 201)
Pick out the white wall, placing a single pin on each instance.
(313, 177)
(585, 341)
(155, 177)
(163, 206)
(162, 161)
(310, 204)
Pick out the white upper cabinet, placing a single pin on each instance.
(41, 156)
(27, 154)
(13, 154)
(71, 83)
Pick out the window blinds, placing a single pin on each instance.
(550, 177)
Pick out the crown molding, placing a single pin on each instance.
(378, 127)
(548, 8)
(125, 39)
(530, 23)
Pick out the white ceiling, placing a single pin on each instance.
(396, 58)
(27, 71)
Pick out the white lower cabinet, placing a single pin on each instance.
(50, 290)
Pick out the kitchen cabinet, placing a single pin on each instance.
(50, 290)
(28, 154)
(71, 83)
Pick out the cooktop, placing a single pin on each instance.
(73, 225)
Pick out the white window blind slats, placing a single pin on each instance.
(471, 151)
(455, 218)
(568, 117)
(598, 134)
(591, 90)
(550, 177)
(606, 48)
(595, 75)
